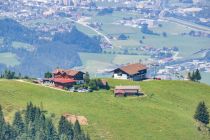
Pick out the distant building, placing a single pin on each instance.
(162, 3)
(127, 91)
(65, 78)
(68, 74)
(67, 2)
(135, 72)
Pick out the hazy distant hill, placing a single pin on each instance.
(62, 51)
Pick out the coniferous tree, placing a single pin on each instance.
(189, 77)
(93, 85)
(197, 75)
(65, 128)
(87, 137)
(2, 123)
(78, 133)
(28, 113)
(193, 77)
(31, 131)
(63, 137)
(8, 133)
(202, 113)
(34, 126)
(18, 124)
(87, 78)
(48, 75)
(22, 137)
(77, 128)
(51, 133)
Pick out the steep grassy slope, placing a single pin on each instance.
(165, 113)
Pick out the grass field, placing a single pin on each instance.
(186, 44)
(93, 62)
(164, 114)
(9, 59)
(205, 77)
(22, 45)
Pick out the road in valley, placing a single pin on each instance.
(91, 28)
(187, 24)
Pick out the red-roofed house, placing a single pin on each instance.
(71, 74)
(65, 78)
(63, 83)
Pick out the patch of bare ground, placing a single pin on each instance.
(72, 118)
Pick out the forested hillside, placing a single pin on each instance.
(44, 55)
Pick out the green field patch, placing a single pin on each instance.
(171, 28)
(95, 63)
(106, 58)
(86, 30)
(118, 29)
(9, 59)
(165, 113)
(205, 77)
(187, 45)
(35, 22)
(125, 43)
(124, 59)
(22, 45)
(95, 67)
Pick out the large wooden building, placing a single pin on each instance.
(65, 78)
(68, 74)
(135, 72)
(127, 91)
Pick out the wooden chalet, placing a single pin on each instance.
(127, 91)
(63, 83)
(65, 78)
(68, 74)
(135, 72)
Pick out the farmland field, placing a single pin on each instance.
(186, 44)
(205, 78)
(18, 45)
(9, 59)
(165, 113)
(93, 62)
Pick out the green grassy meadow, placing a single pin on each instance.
(166, 112)
(18, 45)
(92, 62)
(205, 77)
(9, 59)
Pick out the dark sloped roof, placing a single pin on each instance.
(133, 68)
(68, 72)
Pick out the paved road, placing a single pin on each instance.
(188, 24)
(91, 28)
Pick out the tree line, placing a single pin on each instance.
(8, 74)
(95, 84)
(32, 124)
(194, 76)
(202, 117)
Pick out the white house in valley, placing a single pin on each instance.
(135, 72)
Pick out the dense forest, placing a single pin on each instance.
(32, 124)
(61, 51)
